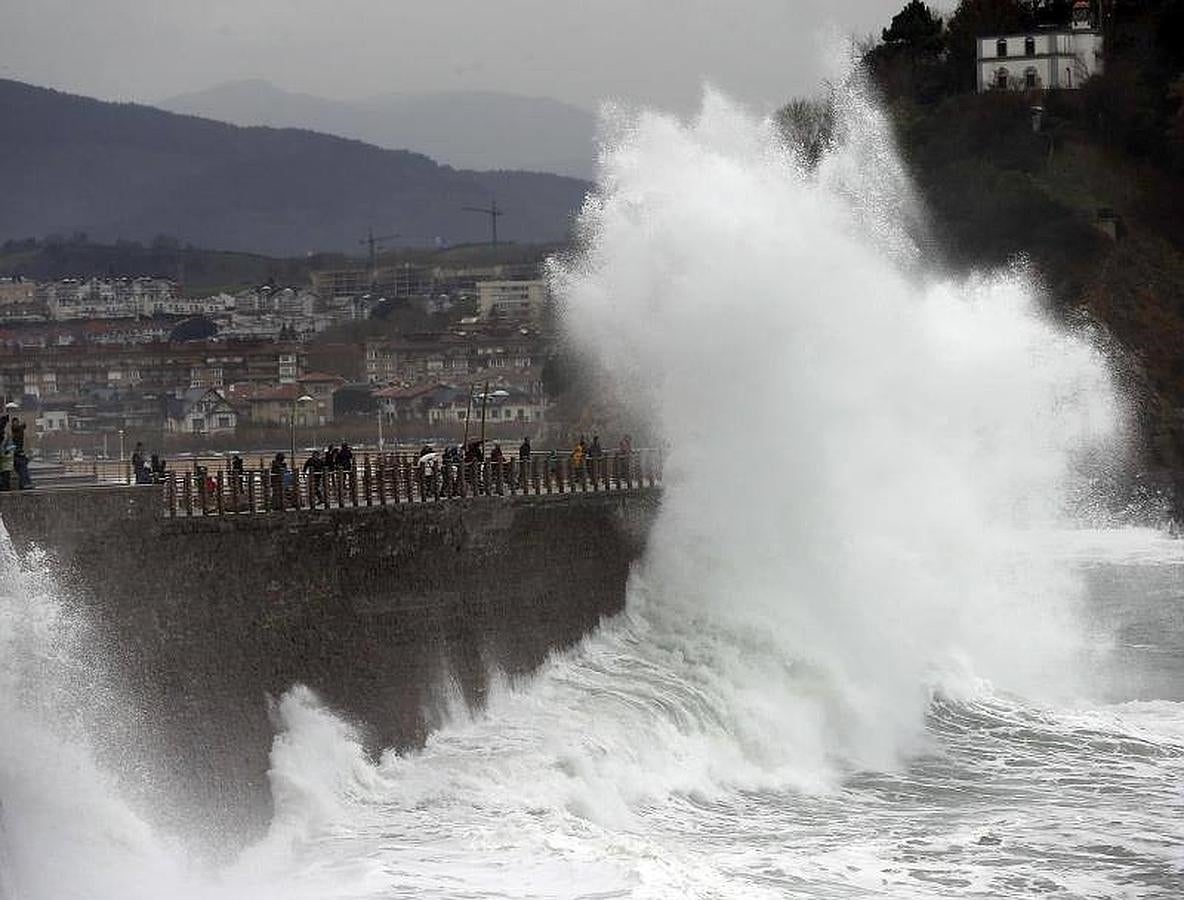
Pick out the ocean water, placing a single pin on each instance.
(889, 638)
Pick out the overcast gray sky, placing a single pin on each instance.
(654, 51)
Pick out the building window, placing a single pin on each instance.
(1001, 79)
(1029, 46)
(1001, 48)
(1030, 78)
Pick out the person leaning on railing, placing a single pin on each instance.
(279, 476)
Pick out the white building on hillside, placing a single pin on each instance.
(1043, 60)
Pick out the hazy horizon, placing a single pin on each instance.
(759, 51)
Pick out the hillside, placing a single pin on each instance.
(997, 189)
(119, 171)
(465, 129)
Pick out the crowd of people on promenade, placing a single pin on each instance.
(440, 471)
(334, 475)
(14, 462)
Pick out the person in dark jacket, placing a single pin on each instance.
(140, 465)
(279, 470)
(314, 468)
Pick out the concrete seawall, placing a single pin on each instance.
(377, 610)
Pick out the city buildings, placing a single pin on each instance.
(100, 355)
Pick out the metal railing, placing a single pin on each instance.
(387, 479)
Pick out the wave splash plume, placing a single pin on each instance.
(859, 446)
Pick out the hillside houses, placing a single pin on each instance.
(450, 404)
(111, 354)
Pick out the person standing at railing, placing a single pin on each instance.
(314, 468)
(579, 455)
(20, 458)
(625, 452)
(497, 460)
(524, 463)
(159, 467)
(139, 466)
(595, 457)
(279, 471)
(238, 482)
(451, 469)
(7, 462)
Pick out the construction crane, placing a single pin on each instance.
(372, 241)
(493, 212)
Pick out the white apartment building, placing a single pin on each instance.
(101, 298)
(519, 301)
(1042, 60)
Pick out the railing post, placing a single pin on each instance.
(188, 495)
(221, 499)
(337, 489)
(405, 466)
(381, 480)
(251, 507)
(367, 479)
(170, 497)
(352, 474)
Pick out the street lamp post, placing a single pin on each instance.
(379, 427)
(303, 398)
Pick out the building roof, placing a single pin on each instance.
(410, 393)
(180, 403)
(265, 393)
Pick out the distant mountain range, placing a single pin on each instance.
(466, 129)
(121, 171)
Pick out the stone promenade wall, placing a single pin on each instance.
(377, 610)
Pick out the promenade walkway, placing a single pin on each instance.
(385, 479)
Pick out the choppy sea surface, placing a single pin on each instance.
(546, 796)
